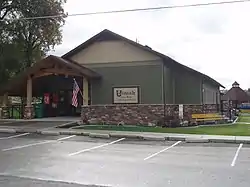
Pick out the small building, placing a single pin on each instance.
(236, 96)
(111, 71)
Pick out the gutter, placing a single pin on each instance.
(163, 91)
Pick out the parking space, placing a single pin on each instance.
(197, 155)
(244, 158)
(114, 161)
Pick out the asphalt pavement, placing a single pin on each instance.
(28, 159)
(11, 181)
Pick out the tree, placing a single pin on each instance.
(33, 37)
(6, 6)
(9, 60)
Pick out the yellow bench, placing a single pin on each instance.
(207, 117)
(245, 111)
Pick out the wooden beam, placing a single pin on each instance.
(41, 74)
(61, 71)
(52, 71)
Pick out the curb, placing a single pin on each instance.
(28, 131)
(53, 133)
(150, 138)
(214, 140)
(196, 140)
(73, 133)
(173, 138)
(128, 136)
(97, 135)
(242, 141)
(8, 130)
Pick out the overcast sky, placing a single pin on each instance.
(214, 40)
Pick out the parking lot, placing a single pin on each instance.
(123, 162)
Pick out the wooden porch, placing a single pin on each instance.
(52, 73)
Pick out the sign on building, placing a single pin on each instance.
(126, 95)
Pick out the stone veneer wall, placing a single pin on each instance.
(29, 112)
(5, 112)
(139, 114)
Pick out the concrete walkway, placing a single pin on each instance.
(49, 119)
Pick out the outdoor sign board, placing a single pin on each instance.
(46, 98)
(126, 95)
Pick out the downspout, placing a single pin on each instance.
(202, 93)
(163, 91)
(173, 85)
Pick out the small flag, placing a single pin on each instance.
(76, 89)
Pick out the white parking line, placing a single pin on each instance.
(65, 138)
(96, 147)
(38, 143)
(176, 143)
(28, 145)
(236, 155)
(15, 136)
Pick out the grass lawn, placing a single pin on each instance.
(244, 119)
(233, 130)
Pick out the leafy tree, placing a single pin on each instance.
(31, 37)
(6, 6)
(10, 55)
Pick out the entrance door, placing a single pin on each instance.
(63, 104)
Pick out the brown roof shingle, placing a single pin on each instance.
(236, 94)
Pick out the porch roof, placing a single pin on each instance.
(47, 66)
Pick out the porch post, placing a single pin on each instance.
(5, 100)
(29, 92)
(85, 92)
(5, 108)
(29, 110)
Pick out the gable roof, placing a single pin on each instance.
(109, 35)
(236, 94)
(21, 78)
(70, 64)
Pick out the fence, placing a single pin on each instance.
(16, 111)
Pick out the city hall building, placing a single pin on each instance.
(119, 80)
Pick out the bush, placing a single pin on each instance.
(169, 121)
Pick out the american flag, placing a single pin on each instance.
(76, 89)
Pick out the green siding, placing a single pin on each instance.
(148, 77)
(168, 80)
(211, 93)
(187, 88)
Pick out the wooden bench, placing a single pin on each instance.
(210, 117)
(245, 111)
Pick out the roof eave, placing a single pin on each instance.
(162, 56)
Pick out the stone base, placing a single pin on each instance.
(5, 112)
(139, 114)
(29, 112)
